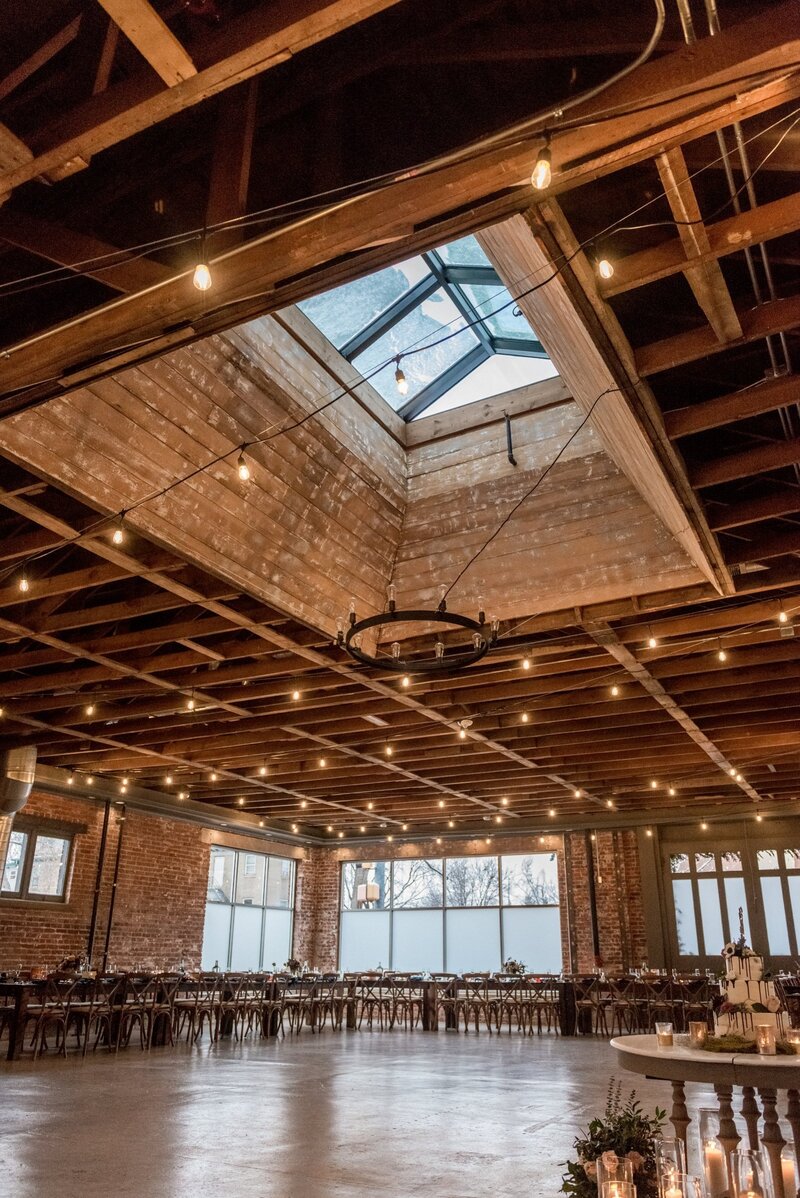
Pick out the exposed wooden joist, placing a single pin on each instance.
(777, 544)
(702, 270)
(13, 153)
(153, 38)
(584, 152)
(604, 635)
(762, 458)
(729, 236)
(781, 502)
(737, 405)
(87, 255)
(593, 356)
(230, 162)
(776, 316)
(34, 62)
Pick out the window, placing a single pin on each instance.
(249, 910)
(708, 890)
(37, 864)
(458, 331)
(460, 913)
(779, 878)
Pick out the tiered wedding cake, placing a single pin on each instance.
(749, 998)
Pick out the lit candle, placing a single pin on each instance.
(674, 1191)
(715, 1170)
(787, 1173)
(664, 1035)
(765, 1039)
(698, 1034)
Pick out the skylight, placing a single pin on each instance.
(461, 336)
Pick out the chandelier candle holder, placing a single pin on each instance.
(443, 658)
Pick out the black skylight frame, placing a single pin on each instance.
(447, 277)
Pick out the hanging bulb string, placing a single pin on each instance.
(378, 182)
(414, 348)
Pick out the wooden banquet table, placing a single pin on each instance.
(724, 1071)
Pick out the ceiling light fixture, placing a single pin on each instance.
(23, 584)
(118, 535)
(442, 660)
(400, 378)
(242, 469)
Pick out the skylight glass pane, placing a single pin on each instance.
(501, 372)
(437, 317)
(496, 306)
(345, 311)
(464, 252)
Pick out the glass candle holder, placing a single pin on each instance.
(765, 1039)
(681, 1185)
(747, 1171)
(622, 1171)
(789, 1171)
(698, 1034)
(670, 1163)
(712, 1155)
(793, 1037)
(617, 1189)
(664, 1036)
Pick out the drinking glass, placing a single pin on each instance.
(664, 1035)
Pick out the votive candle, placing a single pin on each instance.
(664, 1035)
(698, 1034)
(765, 1039)
(715, 1169)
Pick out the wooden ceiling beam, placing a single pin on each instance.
(780, 502)
(775, 316)
(593, 356)
(764, 547)
(768, 396)
(758, 48)
(605, 636)
(751, 227)
(762, 458)
(701, 269)
(40, 58)
(86, 255)
(153, 38)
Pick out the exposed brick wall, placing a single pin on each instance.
(618, 895)
(316, 916)
(161, 892)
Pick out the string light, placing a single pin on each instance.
(90, 780)
(672, 791)
(261, 823)
(438, 840)
(23, 584)
(526, 663)
(322, 763)
(363, 828)
(783, 617)
(504, 801)
(609, 803)
(543, 170)
(183, 794)
(330, 827)
(653, 784)
(648, 831)
(190, 704)
(118, 535)
(405, 681)
(524, 717)
(652, 641)
(462, 734)
(721, 654)
(405, 827)
(577, 793)
(604, 268)
(390, 839)
(262, 770)
(295, 828)
(759, 818)
(451, 823)
(242, 469)
(441, 802)
(732, 771)
(70, 780)
(304, 803)
(341, 835)
(704, 826)
(552, 812)
(614, 691)
(400, 378)
(388, 750)
(202, 276)
(498, 819)
(168, 780)
(370, 805)
(89, 709)
(295, 696)
(213, 777)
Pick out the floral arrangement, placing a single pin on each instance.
(773, 1004)
(623, 1131)
(292, 965)
(515, 968)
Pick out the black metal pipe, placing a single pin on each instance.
(592, 895)
(98, 882)
(509, 441)
(112, 900)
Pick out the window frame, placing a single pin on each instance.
(33, 829)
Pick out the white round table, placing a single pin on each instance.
(767, 1075)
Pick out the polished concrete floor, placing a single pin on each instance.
(334, 1116)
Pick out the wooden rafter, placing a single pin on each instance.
(153, 38)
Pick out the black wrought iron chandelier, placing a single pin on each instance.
(444, 658)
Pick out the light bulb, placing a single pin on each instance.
(401, 380)
(389, 750)
(70, 780)
(23, 583)
(462, 734)
(213, 777)
(782, 617)
(648, 831)
(578, 793)
(552, 812)
(652, 643)
(498, 819)
(704, 826)
(322, 763)
(504, 801)
(242, 468)
(525, 717)
(526, 663)
(605, 268)
(202, 276)
(451, 823)
(118, 535)
(341, 835)
(759, 818)
(168, 780)
(294, 828)
(370, 805)
(732, 771)
(439, 650)
(722, 655)
(390, 838)
(295, 695)
(438, 840)
(240, 802)
(672, 791)
(405, 681)
(542, 171)
(614, 691)
(330, 827)
(609, 802)
(190, 704)
(304, 803)
(654, 785)
(396, 651)
(90, 709)
(262, 771)
(363, 828)
(405, 827)
(441, 802)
